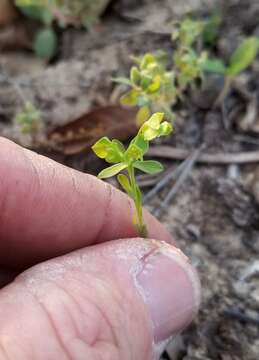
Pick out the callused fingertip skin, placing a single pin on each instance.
(166, 281)
(170, 288)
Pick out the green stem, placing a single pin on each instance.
(224, 92)
(141, 227)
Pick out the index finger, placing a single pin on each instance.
(47, 209)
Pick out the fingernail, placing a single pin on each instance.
(171, 290)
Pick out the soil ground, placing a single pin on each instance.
(215, 214)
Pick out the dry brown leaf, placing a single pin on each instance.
(82, 133)
(14, 36)
(7, 12)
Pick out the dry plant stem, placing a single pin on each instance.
(168, 152)
(183, 176)
(173, 174)
(237, 314)
(246, 139)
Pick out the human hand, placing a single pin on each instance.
(83, 294)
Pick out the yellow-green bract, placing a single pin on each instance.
(152, 86)
(131, 159)
(29, 118)
(243, 56)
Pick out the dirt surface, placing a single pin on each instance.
(215, 214)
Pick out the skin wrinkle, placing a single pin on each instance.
(114, 339)
(107, 210)
(74, 300)
(60, 276)
(74, 180)
(68, 295)
(51, 322)
(115, 334)
(30, 160)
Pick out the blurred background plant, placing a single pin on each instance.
(29, 120)
(61, 12)
(152, 86)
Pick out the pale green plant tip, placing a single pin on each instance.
(154, 127)
(243, 56)
(151, 85)
(131, 159)
(29, 119)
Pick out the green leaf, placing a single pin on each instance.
(143, 115)
(26, 2)
(214, 66)
(156, 119)
(149, 166)
(130, 98)
(29, 118)
(134, 152)
(153, 128)
(147, 60)
(155, 86)
(143, 100)
(141, 143)
(211, 29)
(122, 80)
(124, 183)
(35, 11)
(165, 129)
(135, 76)
(146, 81)
(112, 170)
(101, 147)
(243, 56)
(118, 145)
(111, 151)
(45, 44)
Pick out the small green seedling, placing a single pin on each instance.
(152, 87)
(131, 159)
(240, 60)
(188, 63)
(187, 32)
(29, 120)
(189, 68)
(77, 12)
(45, 41)
(157, 86)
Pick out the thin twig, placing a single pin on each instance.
(224, 93)
(183, 176)
(233, 313)
(246, 139)
(225, 118)
(169, 152)
(170, 175)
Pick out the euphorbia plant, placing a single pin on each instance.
(131, 159)
(29, 120)
(152, 86)
(188, 63)
(241, 59)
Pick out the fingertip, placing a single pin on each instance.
(49, 209)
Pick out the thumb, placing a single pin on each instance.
(120, 300)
